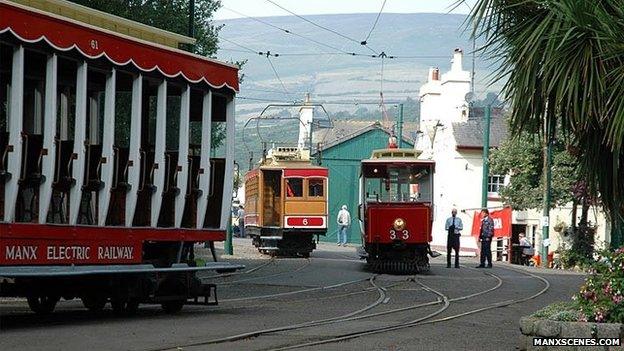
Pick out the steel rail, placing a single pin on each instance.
(354, 315)
(423, 320)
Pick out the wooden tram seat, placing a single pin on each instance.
(63, 180)
(93, 181)
(146, 184)
(192, 192)
(32, 154)
(215, 196)
(119, 186)
(4, 149)
(170, 190)
(146, 189)
(195, 170)
(171, 173)
(120, 175)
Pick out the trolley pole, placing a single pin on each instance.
(486, 157)
(547, 193)
(400, 126)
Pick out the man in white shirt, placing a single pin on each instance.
(453, 228)
(343, 220)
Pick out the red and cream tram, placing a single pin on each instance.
(396, 210)
(107, 176)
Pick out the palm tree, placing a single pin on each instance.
(563, 63)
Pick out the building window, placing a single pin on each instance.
(294, 187)
(315, 187)
(495, 184)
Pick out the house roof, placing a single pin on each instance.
(469, 135)
(343, 130)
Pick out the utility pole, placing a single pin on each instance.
(191, 24)
(549, 138)
(486, 157)
(400, 126)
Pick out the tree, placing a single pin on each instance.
(170, 15)
(563, 65)
(173, 16)
(521, 157)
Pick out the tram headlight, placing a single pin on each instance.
(399, 224)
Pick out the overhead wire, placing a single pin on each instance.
(365, 41)
(277, 75)
(323, 27)
(288, 31)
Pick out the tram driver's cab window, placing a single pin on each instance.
(294, 187)
(315, 187)
(394, 183)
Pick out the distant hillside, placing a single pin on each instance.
(341, 78)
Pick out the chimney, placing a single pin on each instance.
(434, 73)
(457, 60)
(306, 115)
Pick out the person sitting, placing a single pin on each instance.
(527, 250)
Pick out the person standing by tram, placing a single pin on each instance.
(240, 215)
(485, 237)
(344, 220)
(453, 227)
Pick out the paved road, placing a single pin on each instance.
(312, 301)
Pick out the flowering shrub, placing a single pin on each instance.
(602, 295)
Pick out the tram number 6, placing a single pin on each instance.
(305, 221)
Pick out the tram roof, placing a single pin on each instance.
(389, 156)
(292, 169)
(33, 26)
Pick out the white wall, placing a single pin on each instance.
(443, 99)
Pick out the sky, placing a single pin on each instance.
(263, 8)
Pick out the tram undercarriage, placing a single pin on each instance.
(396, 258)
(285, 243)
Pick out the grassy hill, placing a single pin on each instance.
(340, 80)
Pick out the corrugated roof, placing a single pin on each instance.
(343, 130)
(470, 134)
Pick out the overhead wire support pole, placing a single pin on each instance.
(549, 139)
(400, 126)
(191, 25)
(486, 157)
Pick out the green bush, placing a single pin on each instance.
(560, 311)
(601, 298)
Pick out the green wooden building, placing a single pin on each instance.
(343, 147)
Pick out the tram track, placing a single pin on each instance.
(357, 315)
(381, 298)
(300, 268)
(247, 271)
(423, 320)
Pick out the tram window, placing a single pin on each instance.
(315, 187)
(294, 187)
(390, 183)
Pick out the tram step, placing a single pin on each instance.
(271, 238)
(268, 248)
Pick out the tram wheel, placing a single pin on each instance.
(172, 307)
(125, 306)
(94, 302)
(42, 304)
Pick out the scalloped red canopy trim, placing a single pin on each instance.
(64, 35)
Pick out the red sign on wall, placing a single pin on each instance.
(502, 223)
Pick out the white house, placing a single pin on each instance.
(452, 135)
